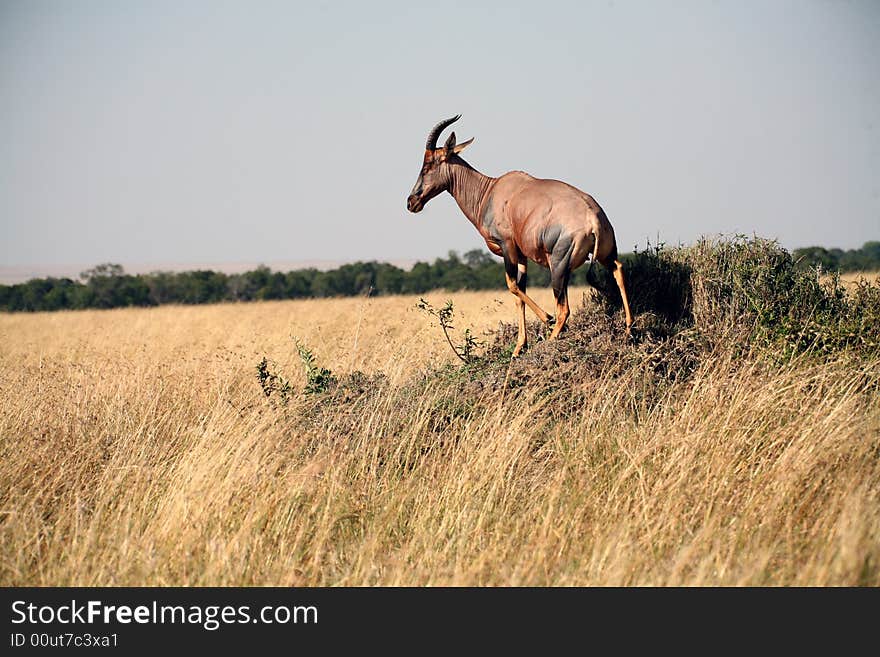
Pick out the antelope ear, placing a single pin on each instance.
(462, 145)
(450, 143)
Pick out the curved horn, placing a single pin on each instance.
(431, 144)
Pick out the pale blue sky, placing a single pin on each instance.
(276, 131)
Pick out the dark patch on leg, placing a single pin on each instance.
(560, 284)
(550, 238)
(560, 257)
(560, 275)
(522, 278)
(560, 264)
(510, 267)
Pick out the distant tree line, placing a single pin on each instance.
(108, 286)
(866, 258)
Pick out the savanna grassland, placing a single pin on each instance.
(733, 440)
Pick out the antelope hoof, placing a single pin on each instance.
(551, 321)
(517, 350)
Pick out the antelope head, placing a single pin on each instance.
(435, 175)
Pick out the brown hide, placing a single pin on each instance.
(540, 216)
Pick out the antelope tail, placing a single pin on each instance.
(593, 259)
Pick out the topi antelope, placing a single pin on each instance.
(523, 218)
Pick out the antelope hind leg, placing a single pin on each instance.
(621, 283)
(522, 337)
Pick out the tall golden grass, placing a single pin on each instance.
(138, 449)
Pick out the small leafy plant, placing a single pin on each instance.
(466, 351)
(318, 379)
(277, 388)
(273, 383)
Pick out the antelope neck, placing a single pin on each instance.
(470, 189)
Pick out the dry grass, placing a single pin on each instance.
(851, 278)
(138, 449)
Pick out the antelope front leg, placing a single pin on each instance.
(544, 317)
(517, 276)
(522, 278)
